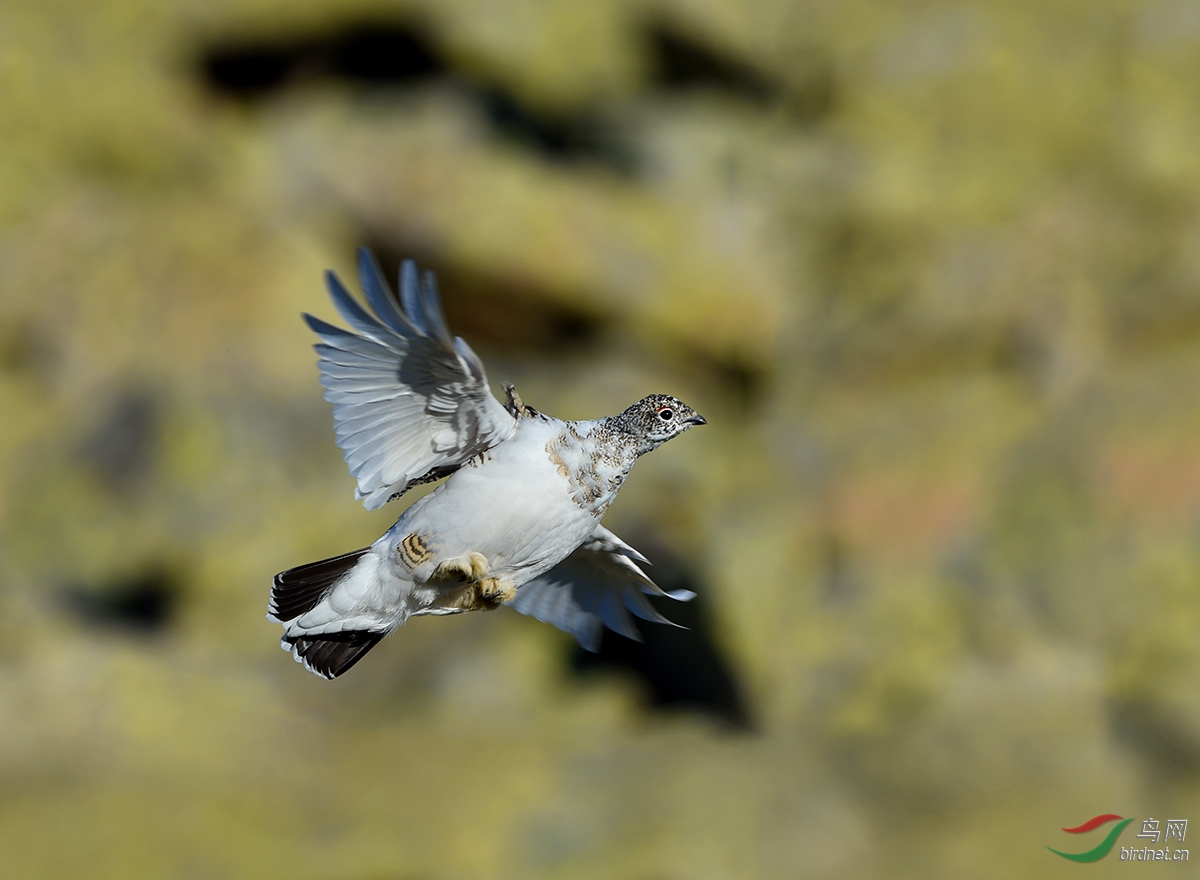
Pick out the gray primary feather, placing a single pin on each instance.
(408, 399)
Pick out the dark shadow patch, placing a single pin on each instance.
(558, 137)
(742, 382)
(121, 447)
(746, 380)
(505, 311)
(1157, 736)
(681, 669)
(383, 54)
(368, 53)
(144, 603)
(681, 61)
(249, 70)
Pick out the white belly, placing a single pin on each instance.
(515, 508)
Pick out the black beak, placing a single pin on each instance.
(697, 419)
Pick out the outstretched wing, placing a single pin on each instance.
(410, 403)
(596, 586)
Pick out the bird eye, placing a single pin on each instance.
(666, 414)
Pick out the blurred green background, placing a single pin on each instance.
(932, 272)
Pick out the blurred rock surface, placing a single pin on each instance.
(932, 274)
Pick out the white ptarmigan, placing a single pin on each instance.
(518, 521)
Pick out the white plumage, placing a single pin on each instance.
(516, 523)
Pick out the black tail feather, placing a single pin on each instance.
(299, 589)
(331, 655)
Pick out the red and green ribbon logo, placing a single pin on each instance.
(1100, 850)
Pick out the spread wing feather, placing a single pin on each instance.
(597, 585)
(410, 402)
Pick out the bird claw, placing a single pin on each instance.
(485, 595)
(470, 568)
(496, 591)
(479, 592)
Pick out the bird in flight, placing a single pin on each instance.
(518, 521)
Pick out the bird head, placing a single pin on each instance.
(655, 419)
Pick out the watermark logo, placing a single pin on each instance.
(1099, 851)
(1153, 830)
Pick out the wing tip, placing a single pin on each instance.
(334, 285)
(589, 634)
(680, 595)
